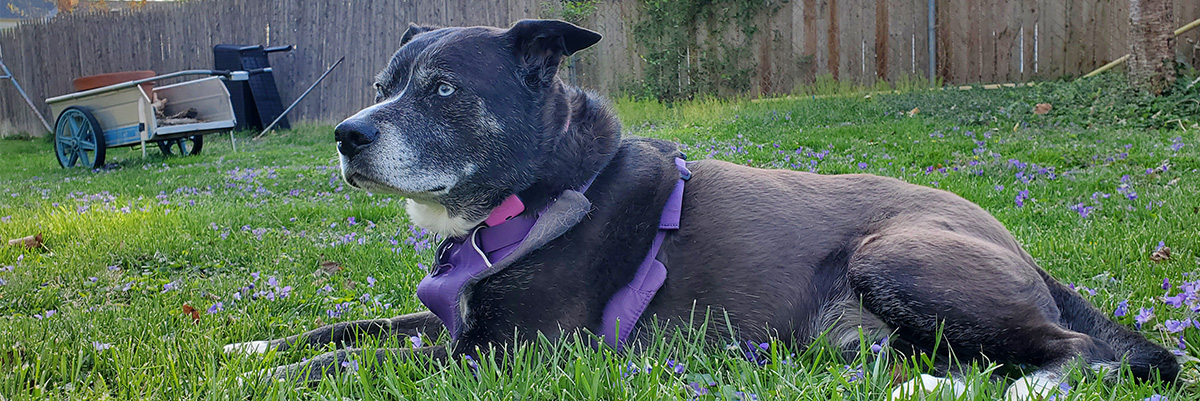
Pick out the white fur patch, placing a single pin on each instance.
(1038, 386)
(435, 218)
(929, 387)
(253, 347)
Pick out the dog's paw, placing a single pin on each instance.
(252, 347)
(1032, 388)
(929, 387)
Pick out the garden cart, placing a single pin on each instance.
(174, 116)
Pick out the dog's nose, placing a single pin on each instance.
(353, 135)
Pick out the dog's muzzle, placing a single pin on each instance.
(354, 135)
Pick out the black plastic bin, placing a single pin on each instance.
(255, 102)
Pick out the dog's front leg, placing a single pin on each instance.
(349, 360)
(351, 334)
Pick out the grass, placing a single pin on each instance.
(97, 313)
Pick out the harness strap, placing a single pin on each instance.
(627, 305)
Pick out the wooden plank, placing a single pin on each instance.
(833, 39)
(883, 40)
(1188, 45)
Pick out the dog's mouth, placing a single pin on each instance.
(367, 183)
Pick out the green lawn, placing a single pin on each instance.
(1090, 189)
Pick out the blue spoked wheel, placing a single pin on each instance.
(78, 139)
(185, 146)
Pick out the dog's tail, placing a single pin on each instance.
(1146, 360)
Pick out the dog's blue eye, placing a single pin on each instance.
(444, 89)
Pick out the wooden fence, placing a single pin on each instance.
(857, 40)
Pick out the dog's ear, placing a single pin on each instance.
(414, 30)
(540, 44)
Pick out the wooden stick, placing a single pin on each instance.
(1125, 58)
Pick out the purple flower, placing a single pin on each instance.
(1166, 283)
(999, 187)
(169, 286)
(630, 369)
(856, 374)
(1022, 195)
(99, 346)
(325, 289)
(217, 307)
(1175, 326)
(285, 291)
(1144, 315)
(5, 219)
(862, 165)
(416, 341)
(1177, 300)
(878, 345)
(45, 315)
(370, 281)
(1155, 397)
(1082, 209)
(114, 268)
(698, 388)
(271, 281)
(350, 365)
(351, 221)
(745, 396)
(471, 363)
(677, 367)
(254, 275)
(1122, 309)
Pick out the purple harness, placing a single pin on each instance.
(463, 258)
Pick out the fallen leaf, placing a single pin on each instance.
(189, 310)
(32, 241)
(1161, 254)
(351, 284)
(329, 267)
(914, 111)
(319, 322)
(1042, 108)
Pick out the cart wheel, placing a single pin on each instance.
(78, 139)
(186, 146)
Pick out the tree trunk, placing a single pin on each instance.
(1151, 45)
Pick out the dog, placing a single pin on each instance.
(473, 127)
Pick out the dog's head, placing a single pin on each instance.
(459, 118)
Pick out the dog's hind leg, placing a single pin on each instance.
(351, 334)
(348, 360)
(984, 300)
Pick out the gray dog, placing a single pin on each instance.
(557, 224)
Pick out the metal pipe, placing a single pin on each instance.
(1182, 30)
(8, 74)
(932, 21)
(302, 95)
(20, 90)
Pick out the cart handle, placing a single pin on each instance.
(230, 75)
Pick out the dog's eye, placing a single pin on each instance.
(445, 89)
